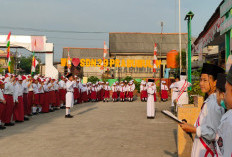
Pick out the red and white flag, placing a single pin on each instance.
(155, 58)
(104, 55)
(69, 62)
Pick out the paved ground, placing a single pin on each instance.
(97, 130)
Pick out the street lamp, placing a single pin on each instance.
(189, 18)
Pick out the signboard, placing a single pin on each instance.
(135, 63)
(226, 6)
(226, 25)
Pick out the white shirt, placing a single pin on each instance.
(30, 89)
(25, 86)
(164, 87)
(35, 88)
(62, 84)
(130, 88)
(143, 88)
(40, 90)
(9, 88)
(52, 87)
(114, 88)
(122, 89)
(1, 95)
(69, 86)
(107, 88)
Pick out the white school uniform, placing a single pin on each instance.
(150, 101)
(207, 124)
(69, 94)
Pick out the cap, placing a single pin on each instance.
(212, 69)
(221, 81)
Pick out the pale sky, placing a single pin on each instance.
(99, 16)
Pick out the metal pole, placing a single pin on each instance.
(162, 25)
(189, 52)
(180, 36)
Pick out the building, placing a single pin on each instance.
(86, 53)
(127, 45)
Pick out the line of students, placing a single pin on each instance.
(213, 127)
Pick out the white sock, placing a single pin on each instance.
(40, 109)
(67, 111)
(34, 109)
(61, 105)
(50, 107)
(0, 122)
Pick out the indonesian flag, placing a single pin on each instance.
(34, 61)
(8, 51)
(155, 58)
(69, 62)
(104, 55)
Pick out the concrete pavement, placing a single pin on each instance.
(97, 130)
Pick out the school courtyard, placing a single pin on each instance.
(98, 129)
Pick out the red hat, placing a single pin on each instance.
(24, 77)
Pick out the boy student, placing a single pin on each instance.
(2, 103)
(224, 132)
(107, 92)
(210, 115)
(69, 95)
(115, 94)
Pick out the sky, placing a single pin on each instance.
(98, 16)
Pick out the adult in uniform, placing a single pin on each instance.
(224, 133)
(69, 95)
(209, 117)
(150, 100)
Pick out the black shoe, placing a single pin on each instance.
(18, 121)
(68, 116)
(2, 127)
(35, 113)
(30, 115)
(9, 124)
(26, 119)
(51, 110)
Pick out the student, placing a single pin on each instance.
(62, 92)
(130, 90)
(94, 93)
(18, 99)
(115, 94)
(143, 91)
(164, 91)
(2, 104)
(210, 115)
(84, 92)
(174, 90)
(45, 108)
(224, 132)
(30, 94)
(36, 102)
(107, 92)
(122, 92)
(69, 95)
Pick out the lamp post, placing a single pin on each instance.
(189, 18)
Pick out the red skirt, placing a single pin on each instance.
(19, 110)
(122, 95)
(143, 94)
(25, 103)
(75, 93)
(93, 95)
(30, 101)
(41, 99)
(52, 97)
(2, 108)
(57, 95)
(84, 96)
(155, 97)
(107, 94)
(45, 107)
(164, 94)
(36, 99)
(102, 94)
(62, 93)
(115, 95)
(9, 107)
(130, 94)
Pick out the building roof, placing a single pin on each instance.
(143, 43)
(91, 53)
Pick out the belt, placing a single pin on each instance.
(179, 91)
(9, 94)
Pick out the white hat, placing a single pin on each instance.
(107, 82)
(114, 84)
(20, 78)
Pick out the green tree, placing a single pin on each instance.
(25, 64)
(93, 79)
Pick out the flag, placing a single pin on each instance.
(69, 62)
(34, 61)
(155, 58)
(8, 51)
(104, 55)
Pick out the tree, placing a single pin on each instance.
(93, 79)
(25, 65)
